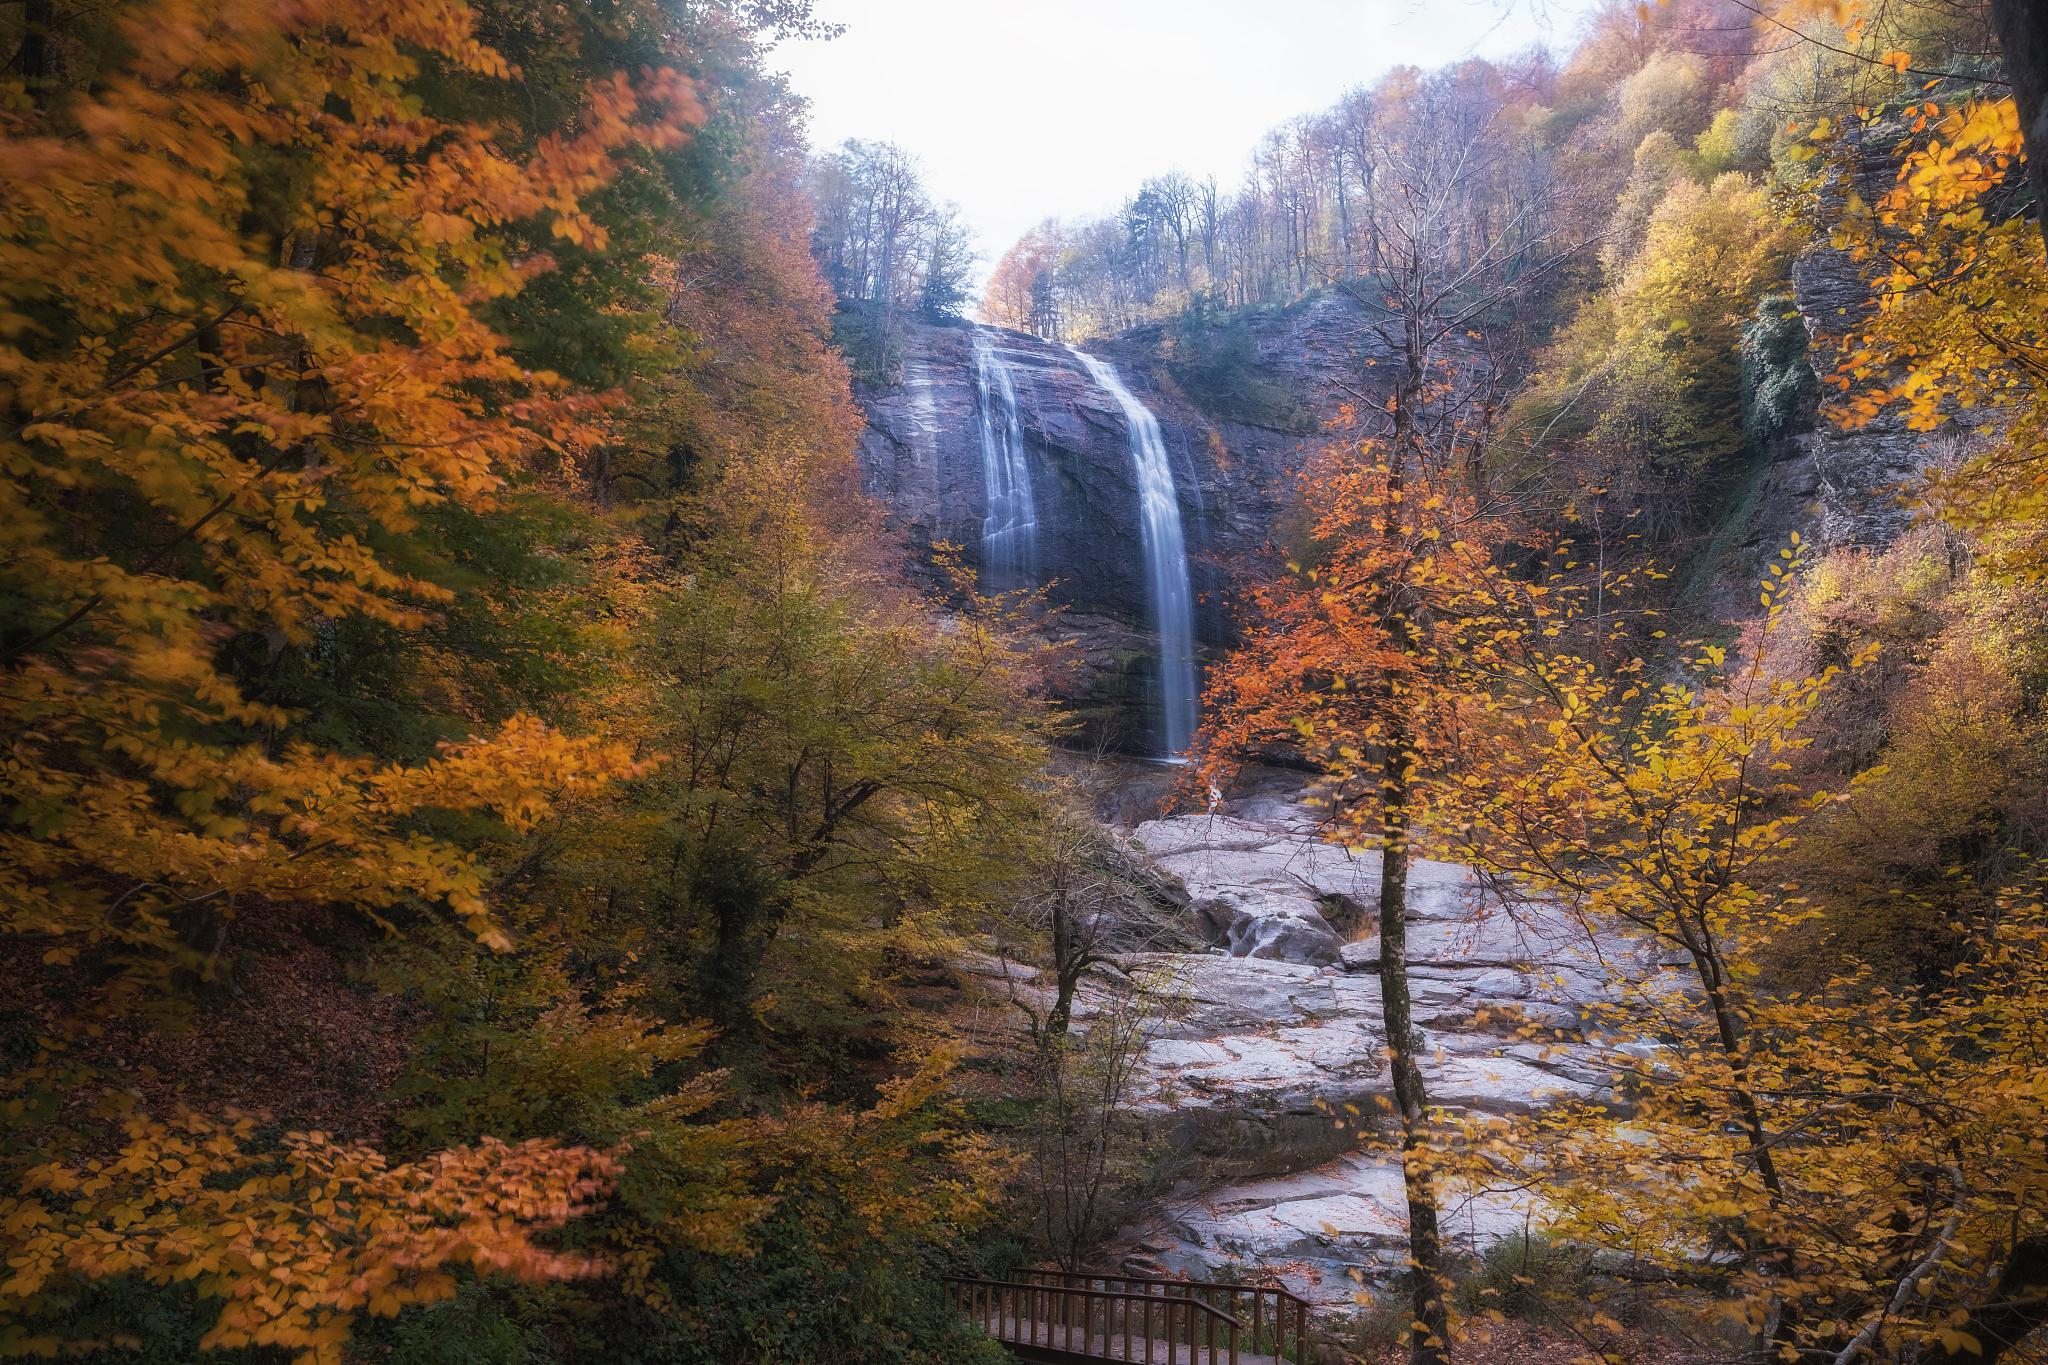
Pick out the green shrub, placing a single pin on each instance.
(1525, 1276)
(1209, 354)
(873, 352)
(475, 1327)
(1778, 387)
(802, 1298)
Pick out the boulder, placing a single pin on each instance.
(1258, 886)
(1256, 923)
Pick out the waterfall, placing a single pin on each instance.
(1009, 529)
(1166, 557)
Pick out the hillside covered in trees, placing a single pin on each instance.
(473, 787)
(560, 673)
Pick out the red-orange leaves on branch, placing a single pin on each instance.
(263, 316)
(1358, 654)
(291, 1243)
(1346, 642)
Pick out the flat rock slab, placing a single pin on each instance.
(1324, 1232)
(1276, 1033)
(1264, 886)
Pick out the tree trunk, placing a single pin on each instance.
(1430, 1341)
(33, 57)
(1343, 220)
(2017, 1308)
(1070, 959)
(1730, 1030)
(885, 302)
(1430, 1332)
(2023, 41)
(746, 908)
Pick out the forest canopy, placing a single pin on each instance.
(447, 675)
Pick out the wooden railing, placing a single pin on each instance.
(1099, 1324)
(1137, 1318)
(1275, 1320)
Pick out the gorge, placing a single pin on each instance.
(1281, 1031)
(767, 682)
(1049, 469)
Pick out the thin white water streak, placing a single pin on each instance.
(924, 409)
(1166, 557)
(1009, 527)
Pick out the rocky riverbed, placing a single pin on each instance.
(1274, 1034)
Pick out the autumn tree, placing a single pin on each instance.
(822, 735)
(1825, 1157)
(1344, 661)
(370, 387)
(888, 250)
(1176, 199)
(1347, 653)
(1084, 899)
(2023, 44)
(1306, 209)
(1641, 396)
(1088, 1155)
(1023, 291)
(257, 357)
(1950, 344)
(257, 404)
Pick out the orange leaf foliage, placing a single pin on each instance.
(294, 1243)
(244, 294)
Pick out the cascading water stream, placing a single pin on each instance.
(1009, 529)
(1166, 557)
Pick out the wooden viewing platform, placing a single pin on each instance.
(1058, 1315)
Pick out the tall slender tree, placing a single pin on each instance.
(1349, 657)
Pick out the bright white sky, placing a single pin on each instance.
(1020, 109)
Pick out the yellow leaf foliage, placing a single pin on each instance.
(1844, 1154)
(1954, 341)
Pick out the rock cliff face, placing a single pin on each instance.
(1837, 487)
(922, 457)
(1858, 476)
